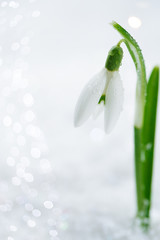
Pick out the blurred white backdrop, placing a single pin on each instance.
(69, 42)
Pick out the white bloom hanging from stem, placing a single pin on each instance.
(103, 90)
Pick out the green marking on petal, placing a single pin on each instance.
(102, 98)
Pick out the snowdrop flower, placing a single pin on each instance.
(103, 92)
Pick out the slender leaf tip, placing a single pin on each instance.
(113, 23)
(155, 72)
(156, 68)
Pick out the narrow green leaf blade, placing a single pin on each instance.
(149, 127)
(151, 106)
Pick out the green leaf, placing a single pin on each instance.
(148, 132)
(151, 106)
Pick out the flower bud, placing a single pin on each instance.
(114, 58)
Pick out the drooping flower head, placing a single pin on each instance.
(103, 91)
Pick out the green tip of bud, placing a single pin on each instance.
(114, 58)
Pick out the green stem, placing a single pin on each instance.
(138, 60)
(137, 142)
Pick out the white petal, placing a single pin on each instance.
(114, 102)
(98, 110)
(89, 97)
